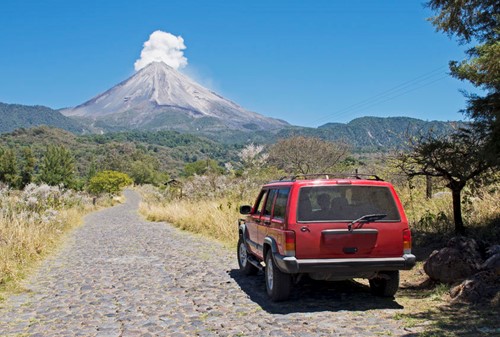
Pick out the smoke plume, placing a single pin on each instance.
(165, 47)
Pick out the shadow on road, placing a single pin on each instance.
(314, 296)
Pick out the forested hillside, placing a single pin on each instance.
(136, 153)
(373, 134)
(15, 116)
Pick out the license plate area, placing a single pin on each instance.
(346, 242)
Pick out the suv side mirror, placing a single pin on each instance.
(245, 209)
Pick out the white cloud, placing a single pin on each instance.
(165, 47)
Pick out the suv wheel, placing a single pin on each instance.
(246, 267)
(278, 284)
(386, 284)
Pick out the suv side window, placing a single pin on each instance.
(281, 203)
(268, 208)
(258, 202)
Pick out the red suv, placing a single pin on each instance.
(328, 228)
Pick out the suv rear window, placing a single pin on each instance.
(345, 203)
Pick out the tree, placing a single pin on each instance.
(476, 21)
(111, 182)
(457, 158)
(305, 155)
(28, 167)
(252, 156)
(201, 167)
(8, 167)
(144, 172)
(58, 167)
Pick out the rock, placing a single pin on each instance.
(454, 263)
(493, 263)
(495, 249)
(483, 287)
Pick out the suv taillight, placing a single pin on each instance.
(406, 241)
(289, 243)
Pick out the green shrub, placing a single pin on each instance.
(111, 182)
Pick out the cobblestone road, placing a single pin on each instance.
(119, 275)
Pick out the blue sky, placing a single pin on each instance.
(307, 62)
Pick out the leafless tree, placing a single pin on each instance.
(305, 155)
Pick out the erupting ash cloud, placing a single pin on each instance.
(165, 47)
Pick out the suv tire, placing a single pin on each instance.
(386, 285)
(245, 266)
(278, 284)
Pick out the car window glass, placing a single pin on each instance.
(258, 203)
(280, 204)
(269, 202)
(345, 203)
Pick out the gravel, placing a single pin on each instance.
(119, 275)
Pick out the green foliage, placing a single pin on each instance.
(433, 222)
(111, 182)
(28, 167)
(15, 116)
(476, 21)
(8, 167)
(386, 134)
(58, 167)
(163, 151)
(143, 172)
(200, 167)
(467, 19)
(444, 157)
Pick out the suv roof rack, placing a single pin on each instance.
(331, 176)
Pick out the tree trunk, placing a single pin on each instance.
(457, 210)
(428, 190)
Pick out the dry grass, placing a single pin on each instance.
(427, 310)
(216, 215)
(32, 224)
(212, 218)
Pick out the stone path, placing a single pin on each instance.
(119, 275)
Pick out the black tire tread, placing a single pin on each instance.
(248, 269)
(385, 287)
(282, 282)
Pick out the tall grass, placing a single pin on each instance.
(31, 223)
(212, 218)
(210, 207)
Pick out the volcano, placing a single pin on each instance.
(159, 97)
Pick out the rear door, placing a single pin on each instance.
(274, 226)
(325, 212)
(265, 218)
(253, 223)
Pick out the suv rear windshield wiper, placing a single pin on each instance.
(365, 219)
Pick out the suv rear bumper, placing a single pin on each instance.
(292, 265)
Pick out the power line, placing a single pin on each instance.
(387, 95)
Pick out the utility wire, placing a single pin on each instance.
(388, 98)
(384, 96)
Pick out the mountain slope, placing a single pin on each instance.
(373, 133)
(15, 116)
(159, 97)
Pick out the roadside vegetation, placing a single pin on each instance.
(32, 222)
(40, 203)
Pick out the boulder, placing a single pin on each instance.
(454, 263)
(483, 287)
(493, 264)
